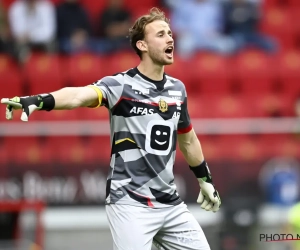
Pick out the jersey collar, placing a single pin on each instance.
(159, 84)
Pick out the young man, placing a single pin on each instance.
(142, 204)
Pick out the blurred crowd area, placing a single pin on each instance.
(72, 26)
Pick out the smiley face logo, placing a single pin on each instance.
(159, 137)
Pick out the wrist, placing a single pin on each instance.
(200, 181)
(47, 101)
(202, 172)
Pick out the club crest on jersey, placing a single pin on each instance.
(163, 105)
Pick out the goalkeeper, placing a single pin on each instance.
(142, 204)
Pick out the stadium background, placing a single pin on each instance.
(242, 108)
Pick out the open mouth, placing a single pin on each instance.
(169, 51)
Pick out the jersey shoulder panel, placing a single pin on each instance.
(175, 81)
(112, 88)
(177, 84)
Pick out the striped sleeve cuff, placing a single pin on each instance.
(100, 96)
(185, 130)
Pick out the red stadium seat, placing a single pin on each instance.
(289, 64)
(56, 2)
(61, 115)
(289, 71)
(22, 150)
(243, 147)
(44, 73)
(273, 144)
(255, 71)
(249, 148)
(279, 23)
(217, 106)
(133, 4)
(294, 3)
(84, 69)
(94, 8)
(2, 112)
(253, 107)
(289, 147)
(121, 61)
(100, 113)
(268, 4)
(75, 149)
(4, 156)
(295, 12)
(221, 146)
(211, 73)
(98, 149)
(11, 79)
(271, 105)
(144, 9)
(7, 3)
(291, 88)
(65, 149)
(211, 146)
(229, 106)
(239, 106)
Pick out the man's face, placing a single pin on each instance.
(160, 44)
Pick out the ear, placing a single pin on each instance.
(142, 45)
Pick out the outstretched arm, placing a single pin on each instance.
(65, 98)
(74, 97)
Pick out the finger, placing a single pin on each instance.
(24, 116)
(200, 198)
(213, 197)
(204, 203)
(13, 104)
(27, 111)
(216, 206)
(4, 100)
(209, 206)
(9, 112)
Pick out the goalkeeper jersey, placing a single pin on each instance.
(145, 118)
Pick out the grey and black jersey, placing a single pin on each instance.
(145, 118)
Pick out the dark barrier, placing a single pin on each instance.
(84, 184)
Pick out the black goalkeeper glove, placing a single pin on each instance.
(28, 104)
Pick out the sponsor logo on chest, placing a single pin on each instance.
(163, 108)
(141, 111)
